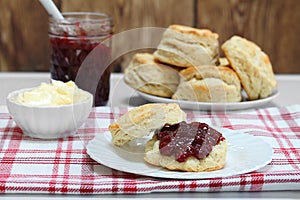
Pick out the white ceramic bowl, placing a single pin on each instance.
(49, 122)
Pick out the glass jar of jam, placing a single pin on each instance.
(80, 47)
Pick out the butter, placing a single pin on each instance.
(52, 94)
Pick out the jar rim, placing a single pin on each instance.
(95, 17)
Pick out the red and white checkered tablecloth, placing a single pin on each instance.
(62, 166)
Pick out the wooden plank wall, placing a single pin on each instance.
(272, 24)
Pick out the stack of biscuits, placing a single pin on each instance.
(187, 66)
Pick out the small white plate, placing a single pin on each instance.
(245, 154)
(192, 105)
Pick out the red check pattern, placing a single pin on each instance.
(62, 166)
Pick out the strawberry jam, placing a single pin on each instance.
(67, 55)
(80, 51)
(184, 140)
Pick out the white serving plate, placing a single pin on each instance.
(192, 105)
(246, 153)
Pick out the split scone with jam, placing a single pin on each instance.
(191, 147)
(175, 144)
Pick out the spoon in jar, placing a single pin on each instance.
(53, 11)
(51, 8)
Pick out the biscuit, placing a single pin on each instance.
(209, 84)
(223, 62)
(146, 75)
(185, 46)
(252, 66)
(215, 160)
(142, 120)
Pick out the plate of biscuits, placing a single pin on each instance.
(156, 140)
(188, 68)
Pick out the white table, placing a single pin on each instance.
(122, 95)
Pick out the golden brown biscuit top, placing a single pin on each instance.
(193, 31)
(206, 71)
(143, 58)
(248, 47)
(223, 73)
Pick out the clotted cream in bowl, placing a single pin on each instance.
(49, 111)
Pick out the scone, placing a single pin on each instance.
(185, 46)
(252, 66)
(140, 121)
(209, 84)
(146, 75)
(223, 62)
(190, 147)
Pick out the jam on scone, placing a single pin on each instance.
(184, 140)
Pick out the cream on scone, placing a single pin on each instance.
(185, 46)
(149, 76)
(252, 65)
(193, 147)
(209, 84)
(141, 121)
